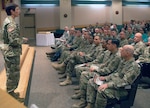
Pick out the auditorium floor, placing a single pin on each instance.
(45, 91)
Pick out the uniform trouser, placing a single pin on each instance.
(84, 78)
(64, 55)
(80, 69)
(69, 57)
(100, 98)
(74, 60)
(12, 65)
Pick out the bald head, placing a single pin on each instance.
(129, 49)
(66, 28)
(138, 37)
(138, 34)
(127, 52)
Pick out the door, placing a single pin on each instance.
(29, 28)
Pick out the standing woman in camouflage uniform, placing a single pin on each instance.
(12, 38)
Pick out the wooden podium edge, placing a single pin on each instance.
(29, 83)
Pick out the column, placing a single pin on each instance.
(117, 12)
(65, 13)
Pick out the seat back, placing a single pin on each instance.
(127, 102)
(145, 67)
(133, 90)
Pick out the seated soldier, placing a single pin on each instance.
(144, 61)
(113, 85)
(138, 45)
(63, 38)
(60, 41)
(123, 39)
(145, 57)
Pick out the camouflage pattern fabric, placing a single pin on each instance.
(12, 54)
(125, 75)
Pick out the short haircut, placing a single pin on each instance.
(115, 41)
(106, 39)
(10, 7)
(129, 49)
(78, 30)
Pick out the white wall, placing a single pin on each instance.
(116, 6)
(83, 15)
(47, 17)
(136, 12)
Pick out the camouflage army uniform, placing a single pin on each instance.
(97, 34)
(12, 38)
(65, 53)
(63, 46)
(123, 42)
(82, 59)
(110, 65)
(104, 69)
(64, 37)
(83, 47)
(138, 49)
(102, 57)
(145, 57)
(125, 75)
(144, 61)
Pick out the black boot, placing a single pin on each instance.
(16, 96)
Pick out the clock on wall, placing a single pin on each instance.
(5, 2)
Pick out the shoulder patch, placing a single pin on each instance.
(10, 27)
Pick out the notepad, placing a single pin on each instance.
(81, 65)
(97, 80)
(94, 66)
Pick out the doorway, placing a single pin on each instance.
(28, 26)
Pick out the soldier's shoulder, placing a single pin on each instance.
(11, 27)
(141, 43)
(136, 66)
(118, 54)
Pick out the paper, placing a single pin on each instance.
(97, 80)
(60, 39)
(81, 65)
(94, 66)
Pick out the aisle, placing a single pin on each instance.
(45, 90)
